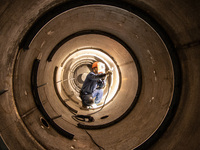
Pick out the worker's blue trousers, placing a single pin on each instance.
(97, 94)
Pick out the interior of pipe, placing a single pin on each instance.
(137, 95)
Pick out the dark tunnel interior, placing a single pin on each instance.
(150, 101)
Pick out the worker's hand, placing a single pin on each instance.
(109, 72)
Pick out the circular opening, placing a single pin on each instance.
(44, 122)
(74, 69)
(73, 61)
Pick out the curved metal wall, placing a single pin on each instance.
(162, 42)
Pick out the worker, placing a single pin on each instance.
(92, 89)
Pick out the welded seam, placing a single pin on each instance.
(29, 112)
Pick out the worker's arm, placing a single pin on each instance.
(93, 76)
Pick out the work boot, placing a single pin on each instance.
(84, 107)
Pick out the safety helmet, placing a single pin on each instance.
(100, 67)
(95, 64)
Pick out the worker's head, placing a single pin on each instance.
(98, 67)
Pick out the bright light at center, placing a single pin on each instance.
(92, 54)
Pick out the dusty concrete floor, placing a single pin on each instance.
(155, 47)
